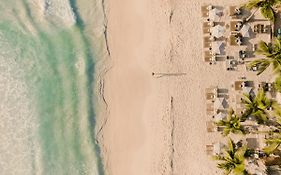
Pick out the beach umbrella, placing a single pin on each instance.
(218, 148)
(248, 90)
(217, 47)
(245, 30)
(214, 14)
(219, 116)
(217, 31)
(220, 103)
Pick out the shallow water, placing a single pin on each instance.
(47, 89)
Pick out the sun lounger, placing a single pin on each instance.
(249, 84)
(205, 11)
(210, 96)
(210, 106)
(206, 30)
(208, 54)
(226, 96)
(207, 44)
(214, 149)
(208, 59)
(257, 28)
(238, 85)
(223, 91)
(266, 29)
(206, 25)
(261, 28)
(232, 41)
(210, 109)
(232, 26)
(210, 112)
(207, 39)
(234, 12)
(235, 26)
(211, 127)
(212, 90)
(210, 150)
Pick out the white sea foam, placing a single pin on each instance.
(44, 88)
(57, 10)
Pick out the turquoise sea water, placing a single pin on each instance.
(46, 52)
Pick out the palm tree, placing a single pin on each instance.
(273, 144)
(233, 159)
(272, 54)
(231, 124)
(257, 107)
(266, 7)
(277, 84)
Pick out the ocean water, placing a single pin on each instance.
(48, 51)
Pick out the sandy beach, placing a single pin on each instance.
(157, 124)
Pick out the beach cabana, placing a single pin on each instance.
(217, 47)
(214, 14)
(220, 103)
(219, 116)
(248, 90)
(217, 31)
(218, 147)
(245, 30)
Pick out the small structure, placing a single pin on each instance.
(217, 31)
(217, 47)
(215, 14)
(218, 148)
(245, 30)
(248, 90)
(220, 116)
(220, 103)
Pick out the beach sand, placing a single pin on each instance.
(157, 125)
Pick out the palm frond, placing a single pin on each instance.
(261, 64)
(261, 117)
(240, 170)
(231, 145)
(233, 159)
(240, 153)
(277, 83)
(268, 12)
(263, 49)
(252, 4)
(271, 148)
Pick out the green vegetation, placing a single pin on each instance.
(232, 124)
(233, 159)
(277, 84)
(266, 111)
(272, 56)
(257, 106)
(267, 7)
(273, 144)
